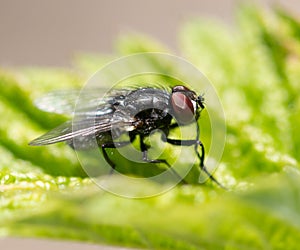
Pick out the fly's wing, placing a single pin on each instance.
(59, 102)
(65, 101)
(87, 127)
(61, 133)
(93, 114)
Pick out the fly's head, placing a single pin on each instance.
(185, 104)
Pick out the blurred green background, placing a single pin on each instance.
(255, 68)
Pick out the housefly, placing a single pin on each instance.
(136, 111)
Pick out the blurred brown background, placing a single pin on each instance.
(35, 32)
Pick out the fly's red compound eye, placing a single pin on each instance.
(183, 107)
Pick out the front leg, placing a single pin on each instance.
(201, 157)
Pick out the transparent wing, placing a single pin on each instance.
(60, 102)
(65, 101)
(93, 112)
(85, 128)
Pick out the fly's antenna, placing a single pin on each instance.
(201, 101)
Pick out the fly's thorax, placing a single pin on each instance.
(152, 119)
(148, 108)
(145, 99)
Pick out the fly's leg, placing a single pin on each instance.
(196, 143)
(202, 166)
(104, 146)
(144, 150)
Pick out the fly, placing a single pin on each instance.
(137, 111)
